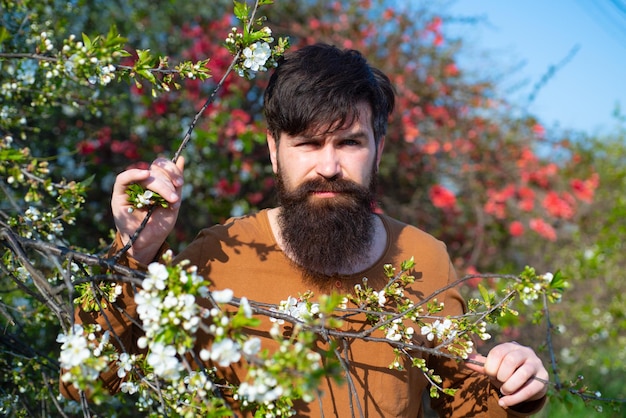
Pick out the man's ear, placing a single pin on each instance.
(272, 146)
(379, 151)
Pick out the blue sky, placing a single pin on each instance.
(520, 40)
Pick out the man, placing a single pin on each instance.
(327, 114)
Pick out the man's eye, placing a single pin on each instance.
(308, 144)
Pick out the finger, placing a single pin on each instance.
(173, 170)
(165, 179)
(128, 177)
(524, 375)
(531, 390)
(516, 380)
(503, 360)
(180, 164)
(476, 362)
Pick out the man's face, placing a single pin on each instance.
(345, 154)
(326, 187)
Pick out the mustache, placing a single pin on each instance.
(336, 186)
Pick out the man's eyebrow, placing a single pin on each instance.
(354, 135)
(318, 137)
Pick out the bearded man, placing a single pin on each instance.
(327, 112)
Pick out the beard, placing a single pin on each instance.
(327, 237)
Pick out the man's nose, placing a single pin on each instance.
(328, 165)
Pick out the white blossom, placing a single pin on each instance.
(252, 346)
(381, 298)
(225, 352)
(74, 348)
(125, 364)
(222, 296)
(157, 277)
(245, 305)
(256, 55)
(144, 199)
(437, 329)
(164, 362)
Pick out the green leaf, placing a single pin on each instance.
(241, 10)
(484, 293)
(87, 182)
(4, 34)
(558, 281)
(86, 41)
(407, 264)
(11, 155)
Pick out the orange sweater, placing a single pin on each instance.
(242, 255)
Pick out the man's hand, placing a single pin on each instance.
(162, 177)
(512, 368)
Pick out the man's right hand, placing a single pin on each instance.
(162, 177)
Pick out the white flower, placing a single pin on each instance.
(144, 199)
(125, 364)
(264, 389)
(245, 305)
(157, 277)
(32, 214)
(198, 382)
(252, 346)
(129, 387)
(381, 298)
(222, 296)
(547, 277)
(164, 362)
(256, 55)
(74, 349)
(225, 352)
(437, 329)
(393, 333)
(149, 310)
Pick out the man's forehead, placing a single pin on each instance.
(358, 122)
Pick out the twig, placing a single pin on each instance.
(549, 328)
(187, 137)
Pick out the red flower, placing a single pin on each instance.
(496, 205)
(527, 198)
(451, 70)
(474, 281)
(585, 189)
(516, 228)
(543, 228)
(442, 198)
(558, 206)
(160, 107)
(238, 123)
(224, 188)
(539, 130)
(87, 147)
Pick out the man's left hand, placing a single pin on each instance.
(513, 368)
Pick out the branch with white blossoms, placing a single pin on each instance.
(96, 61)
(390, 311)
(167, 376)
(86, 352)
(252, 46)
(50, 205)
(251, 53)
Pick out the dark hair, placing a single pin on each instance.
(320, 86)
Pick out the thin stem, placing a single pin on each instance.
(549, 328)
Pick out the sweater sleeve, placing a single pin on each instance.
(119, 318)
(475, 395)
